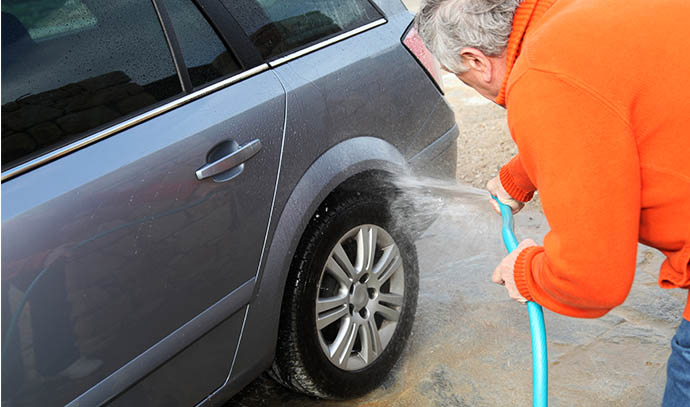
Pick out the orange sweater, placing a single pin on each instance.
(598, 100)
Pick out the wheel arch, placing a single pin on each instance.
(361, 161)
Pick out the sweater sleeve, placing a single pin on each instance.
(581, 153)
(516, 181)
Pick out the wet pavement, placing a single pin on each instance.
(470, 345)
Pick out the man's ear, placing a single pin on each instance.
(477, 61)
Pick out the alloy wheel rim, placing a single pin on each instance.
(360, 297)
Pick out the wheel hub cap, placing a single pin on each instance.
(360, 297)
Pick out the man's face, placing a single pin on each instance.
(484, 74)
(472, 79)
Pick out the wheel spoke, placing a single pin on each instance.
(343, 260)
(342, 347)
(327, 304)
(390, 254)
(326, 319)
(387, 312)
(389, 270)
(371, 341)
(336, 271)
(366, 248)
(392, 299)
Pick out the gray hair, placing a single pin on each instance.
(448, 26)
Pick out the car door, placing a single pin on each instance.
(137, 189)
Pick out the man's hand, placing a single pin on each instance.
(503, 274)
(496, 189)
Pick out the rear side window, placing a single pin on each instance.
(205, 55)
(70, 68)
(277, 27)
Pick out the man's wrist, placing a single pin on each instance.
(512, 188)
(523, 266)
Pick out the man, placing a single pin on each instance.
(598, 103)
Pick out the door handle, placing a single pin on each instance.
(229, 161)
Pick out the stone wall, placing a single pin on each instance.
(38, 122)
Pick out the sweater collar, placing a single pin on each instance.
(526, 15)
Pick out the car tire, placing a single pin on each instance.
(347, 350)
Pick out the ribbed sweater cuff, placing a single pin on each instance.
(511, 187)
(522, 266)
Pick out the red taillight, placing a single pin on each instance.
(413, 42)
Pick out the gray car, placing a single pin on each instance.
(197, 191)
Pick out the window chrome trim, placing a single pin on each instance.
(287, 58)
(81, 143)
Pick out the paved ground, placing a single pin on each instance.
(470, 344)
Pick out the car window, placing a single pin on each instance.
(205, 55)
(277, 27)
(71, 68)
(43, 19)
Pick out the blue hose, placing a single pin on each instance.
(540, 377)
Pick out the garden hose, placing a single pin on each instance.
(540, 377)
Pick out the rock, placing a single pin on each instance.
(135, 102)
(88, 119)
(104, 81)
(6, 131)
(16, 146)
(45, 98)
(225, 64)
(100, 97)
(29, 115)
(133, 88)
(10, 107)
(46, 133)
(72, 89)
